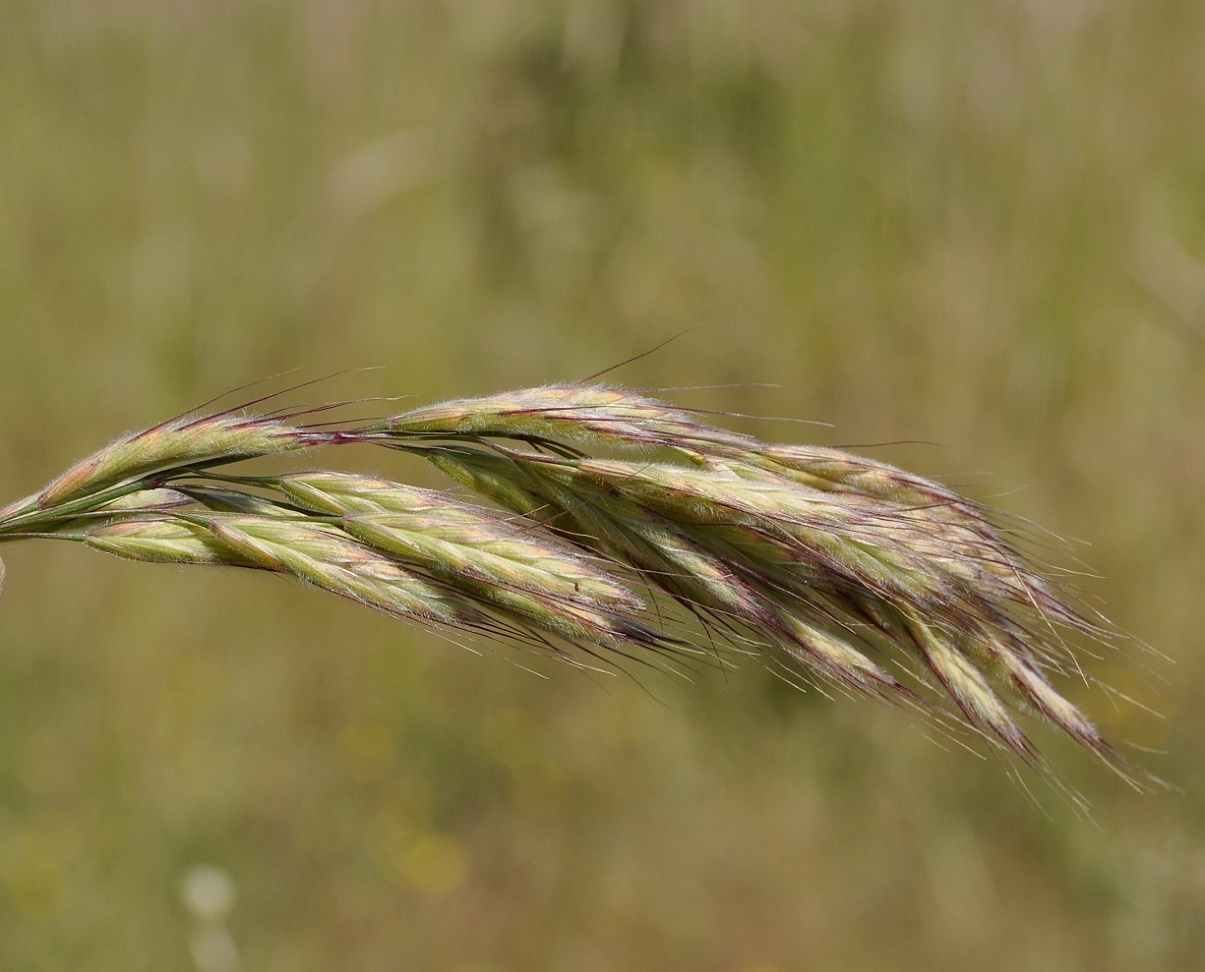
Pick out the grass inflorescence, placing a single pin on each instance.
(671, 542)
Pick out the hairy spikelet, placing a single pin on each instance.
(500, 560)
(591, 414)
(162, 541)
(449, 536)
(180, 442)
(328, 558)
(845, 570)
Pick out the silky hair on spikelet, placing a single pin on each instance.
(681, 545)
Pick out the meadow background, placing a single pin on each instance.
(975, 230)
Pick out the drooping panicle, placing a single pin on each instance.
(843, 569)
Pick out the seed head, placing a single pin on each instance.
(842, 569)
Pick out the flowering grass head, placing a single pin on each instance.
(617, 522)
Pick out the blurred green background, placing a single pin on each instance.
(976, 226)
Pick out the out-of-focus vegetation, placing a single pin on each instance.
(980, 226)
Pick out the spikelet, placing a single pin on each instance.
(181, 442)
(163, 542)
(590, 414)
(328, 558)
(499, 560)
(451, 537)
